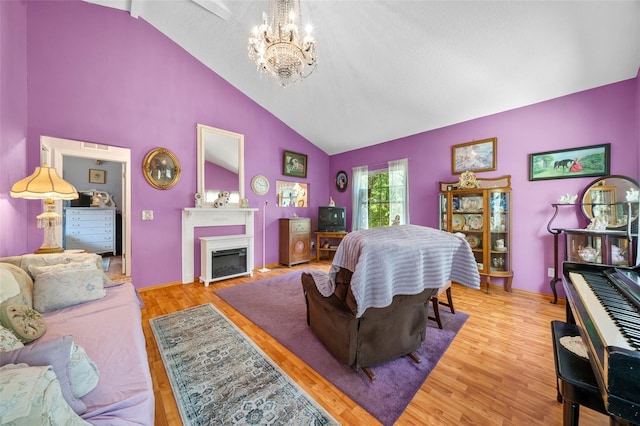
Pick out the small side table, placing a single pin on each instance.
(556, 232)
(329, 236)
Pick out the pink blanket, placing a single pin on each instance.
(109, 329)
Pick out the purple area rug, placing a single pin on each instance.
(277, 306)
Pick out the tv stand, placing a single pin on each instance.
(331, 237)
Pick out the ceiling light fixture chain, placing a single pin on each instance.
(276, 46)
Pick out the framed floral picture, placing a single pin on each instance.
(476, 156)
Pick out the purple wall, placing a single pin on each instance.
(15, 225)
(96, 74)
(605, 114)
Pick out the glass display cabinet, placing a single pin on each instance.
(483, 215)
(607, 248)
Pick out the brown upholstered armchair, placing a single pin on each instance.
(378, 336)
(372, 306)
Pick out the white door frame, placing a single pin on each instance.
(53, 150)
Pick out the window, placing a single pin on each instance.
(381, 196)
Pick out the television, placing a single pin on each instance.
(332, 219)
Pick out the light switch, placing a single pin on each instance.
(147, 214)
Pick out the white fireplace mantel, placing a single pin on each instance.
(204, 217)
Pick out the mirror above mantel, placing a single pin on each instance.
(220, 165)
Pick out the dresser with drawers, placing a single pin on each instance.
(90, 228)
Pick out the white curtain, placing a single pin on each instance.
(399, 190)
(360, 197)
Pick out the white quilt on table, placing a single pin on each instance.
(405, 259)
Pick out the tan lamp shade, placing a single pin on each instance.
(42, 184)
(45, 184)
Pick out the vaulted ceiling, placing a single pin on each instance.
(389, 69)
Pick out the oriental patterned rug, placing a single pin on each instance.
(218, 376)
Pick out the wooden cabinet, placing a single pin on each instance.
(483, 215)
(90, 228)
(295, 240)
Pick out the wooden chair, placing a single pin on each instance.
(436, 303)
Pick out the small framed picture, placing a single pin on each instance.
(294, 164)
(342, 181)
(476, 156)
(97, 176)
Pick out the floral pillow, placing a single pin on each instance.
(27, 324)
(83, 372)
(31, 395)
(66, 287)
(10, 276)
(8, 340)
(56, 353)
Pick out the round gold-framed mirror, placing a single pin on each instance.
(161, 168)
(608, 197)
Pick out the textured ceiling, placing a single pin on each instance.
(388, 69)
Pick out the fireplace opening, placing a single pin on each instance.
(229, 262)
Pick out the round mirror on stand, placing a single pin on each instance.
(609, 198)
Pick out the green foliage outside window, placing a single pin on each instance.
(379, 199)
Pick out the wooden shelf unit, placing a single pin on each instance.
(322, 237)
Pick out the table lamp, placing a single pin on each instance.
(45, 184)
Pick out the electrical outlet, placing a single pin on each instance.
(147, 214)
(551, 272)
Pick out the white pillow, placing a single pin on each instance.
(9, 287)
(57, 290)
(32, 396)
(83, 372)
(36, 270)
(8, 340)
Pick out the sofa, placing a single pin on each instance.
(372, 306)
(87, 330)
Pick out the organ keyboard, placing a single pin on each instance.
(605, 304)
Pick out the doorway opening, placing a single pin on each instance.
(53, 151)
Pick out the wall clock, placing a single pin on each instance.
(341, 181)
(161, 169)
(260, 184)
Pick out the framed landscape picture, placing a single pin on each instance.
(594, 160)
(476, 156)
(97, 176)
(294, 164)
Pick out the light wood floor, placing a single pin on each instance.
(498, 371)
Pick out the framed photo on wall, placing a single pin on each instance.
(294, 164)
(594, 160)
(97, 176)
(476, 156)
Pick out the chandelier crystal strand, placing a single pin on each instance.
(276, 46)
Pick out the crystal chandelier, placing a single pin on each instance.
(276, 47)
